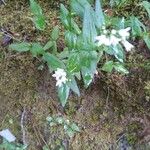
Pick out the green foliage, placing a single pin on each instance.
(117, 2)
(63, 93)
(5, 145)
(38, 17)
(110, 65)
(82, 54)
(146, 5)
(70, 128)
(21, 47)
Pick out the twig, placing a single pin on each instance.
(22, 127)
(107, 99)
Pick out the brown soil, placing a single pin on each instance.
(113, 104)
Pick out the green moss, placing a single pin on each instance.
(132, 131)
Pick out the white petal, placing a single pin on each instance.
(103, 27)
(124, 33)
(113, 31)
(7, 135)
(128, 46)
(59, 83)
(63, 79)
(105, 31)
(114, 40)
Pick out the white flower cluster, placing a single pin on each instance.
(60, 76)
(113, 37)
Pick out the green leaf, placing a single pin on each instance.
(75, 27)
(78, 6)
(35, 8)
(147, 40)
(38, 19)
(99, 14)
(48, 45)
(64, 16)
(73, 64)
(39, 22)
(137, 26)
(120, 68)
(86, 57)
(49, 119)
(70, 39)
(63, 93)
(70, 132)
(52, 61)
(59, 120)
(45, 147)
(89, 30)
(146, 5)
(87, 76)
(55, 33)
(118, 52)
(36, 49)
(74, 127)
(68, 22)
(54, 47)
(74, 87)
(108, 66)
(20, 47)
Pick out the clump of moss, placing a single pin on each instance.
(147, 88)
(132, 133)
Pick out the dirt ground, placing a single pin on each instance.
(114, 106)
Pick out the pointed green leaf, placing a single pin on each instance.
(137, 26)
(74, 87)
(48, 45)
(87, 76)
(89, 30)
(146, 5)
(36, 49)
(63, 93)
(38, 19)
(55, 33)
(70, 39)
(73, 64)
(118, 52)
(20, 47)
(70, 132)
(39, 22)
(78, 6)
(120, 68)
(35, 8)
(64, 16)
(147, 40)
(108, 66)
(74, 127)
(99, 14)
(52, 61)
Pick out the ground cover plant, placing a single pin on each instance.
(85, 46)
(98, 45)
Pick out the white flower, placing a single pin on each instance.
(60, 76)
(103, 27)
(114, 40)
(113, 31)
(102, 39)
(124, 33)
(128, 46)
(105, 31)
(7, 135)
